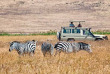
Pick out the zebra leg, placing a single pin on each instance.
(20, 54)
(24, 54)
(59, 52)
(31, 53)
(50, 54)
(44, 53)
(52, 51)
(56, 52)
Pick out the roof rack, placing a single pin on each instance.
(77, 21)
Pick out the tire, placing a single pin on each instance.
(71, 39)
(106, 38)
(99, 39)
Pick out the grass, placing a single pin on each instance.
(46, 33)
(33, 34)
(50, 33)
(102, 32)
(74, 63)
(4, 34)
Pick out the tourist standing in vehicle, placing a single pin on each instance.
(71, 25)
(79, 25)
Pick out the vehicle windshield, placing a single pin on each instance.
(87, 32)
(91, 34)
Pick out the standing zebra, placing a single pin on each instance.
(47, 47)
(21, 48)
(72, 47)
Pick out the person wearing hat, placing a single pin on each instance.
(71, 25)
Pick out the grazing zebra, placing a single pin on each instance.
(47, 47)
(72, 47)
(21, 48)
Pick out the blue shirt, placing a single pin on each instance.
(71, 25)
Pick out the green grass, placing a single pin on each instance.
(46, 33)
(102, 32)
(7, 34)
(4, 34)
(50, 33)
(43, 33)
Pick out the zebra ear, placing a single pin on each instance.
(33, 40)
(9, 42)
(36, 41)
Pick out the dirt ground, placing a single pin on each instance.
(44, 15)
(74, 63)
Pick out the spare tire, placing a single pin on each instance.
(58, 35)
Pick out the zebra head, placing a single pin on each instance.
(86, 47)
(33, 41)
(13, 45)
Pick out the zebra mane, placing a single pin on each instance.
(11, 43)
(61, 42)
(82, 43)
(33, 40)
(30, 41)
(15, 42)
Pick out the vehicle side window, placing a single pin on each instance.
(85, 32)
(75, 30)
(78, 30)
(66, 30)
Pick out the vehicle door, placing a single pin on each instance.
(76, 34)
(66, 33)
(86, 35)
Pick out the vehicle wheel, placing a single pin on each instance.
(72, 39)
(98, 39)
(106, 38)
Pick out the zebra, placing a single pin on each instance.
(47, 47)
(22, 48)
(72, 47)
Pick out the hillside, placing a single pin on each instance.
(44, 15)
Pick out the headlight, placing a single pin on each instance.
(106, 38)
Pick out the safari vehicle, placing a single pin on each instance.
(78, 33)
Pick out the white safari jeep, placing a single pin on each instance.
(78, 33)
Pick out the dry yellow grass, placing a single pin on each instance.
(74, 63)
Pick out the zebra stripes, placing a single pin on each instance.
(72, 47)
(63, 46)
(30, 46)
(21, 48)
